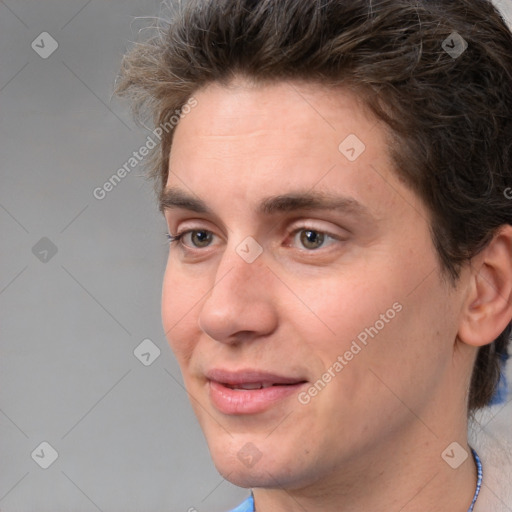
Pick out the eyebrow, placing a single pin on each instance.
(172, 198)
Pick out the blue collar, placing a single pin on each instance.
(246, 506)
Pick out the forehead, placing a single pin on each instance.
(243, 107)
(245, 142)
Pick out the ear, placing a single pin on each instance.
(487, 309)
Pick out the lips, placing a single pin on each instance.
(249, 391)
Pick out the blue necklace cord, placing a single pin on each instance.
(249, 503)
(478, 463)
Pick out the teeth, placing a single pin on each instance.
(253, 385)
(250, 386)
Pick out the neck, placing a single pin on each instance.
(407, 474)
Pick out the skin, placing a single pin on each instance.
(372, 438)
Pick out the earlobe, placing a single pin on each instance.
(488, 307)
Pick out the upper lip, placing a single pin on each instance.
(236, 377)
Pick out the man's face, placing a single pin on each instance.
(342, 310)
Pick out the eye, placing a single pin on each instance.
(312, 239)
(198, 238)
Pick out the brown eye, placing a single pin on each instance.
(311, 239)
(200, 238)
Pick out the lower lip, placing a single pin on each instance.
(235, 401)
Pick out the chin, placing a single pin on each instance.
(246, 465)
(263, 476)
(247, 478)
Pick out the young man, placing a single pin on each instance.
(339, 285)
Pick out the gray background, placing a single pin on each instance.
(125, 433)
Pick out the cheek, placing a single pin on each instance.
(335, 309)
(179, 303)
(382, 320)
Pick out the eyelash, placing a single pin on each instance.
(179, 236)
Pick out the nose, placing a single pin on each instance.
(240, 304)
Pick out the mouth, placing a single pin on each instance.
(249, 391)
(250, 386)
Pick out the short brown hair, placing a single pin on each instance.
(450, 116)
